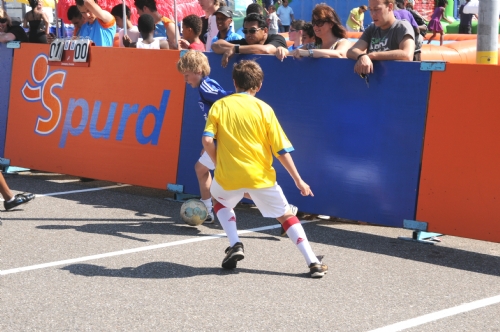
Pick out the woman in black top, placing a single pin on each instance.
(9, 32)
(38, 23)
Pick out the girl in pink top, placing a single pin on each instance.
(435, 22)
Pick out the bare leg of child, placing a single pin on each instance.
(441, 39)
(204, 181)
(431, 37)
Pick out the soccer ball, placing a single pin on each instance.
(194, 212)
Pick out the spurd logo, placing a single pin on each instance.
(43, 91)
(46, 87)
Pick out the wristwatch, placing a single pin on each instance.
(236, 48)
(311, 53)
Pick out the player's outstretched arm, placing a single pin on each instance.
(287, 162)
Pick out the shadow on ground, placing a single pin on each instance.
(164, 270)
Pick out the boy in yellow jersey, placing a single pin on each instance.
(248, 134)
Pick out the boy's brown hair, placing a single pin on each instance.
(247, 75)
(194, 61)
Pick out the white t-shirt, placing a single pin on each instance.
(273, 21)
(133, 33)
(212, 31)
(155, 45)
(284, 14)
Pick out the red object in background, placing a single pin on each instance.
(165, 7)
(425, 8)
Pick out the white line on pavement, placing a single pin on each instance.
(439, 315)
(134, 250)
(82, 190)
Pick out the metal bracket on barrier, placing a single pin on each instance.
(14, 44)
(179, 196)
(432, 66)
(420, 233)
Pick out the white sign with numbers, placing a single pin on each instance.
(81, 50)
(56, 50)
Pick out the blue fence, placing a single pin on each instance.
(358, 147)
(6, 74)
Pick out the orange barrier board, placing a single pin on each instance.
(459, 191)
(118, 120)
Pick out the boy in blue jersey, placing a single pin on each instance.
(195, 68)
(248, 135)
(100, 25)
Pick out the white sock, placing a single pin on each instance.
(227, 219)
(296, 233)
(208, 204)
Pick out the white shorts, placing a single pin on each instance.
(206, 161)
(270, 201)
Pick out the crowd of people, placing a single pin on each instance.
(200, 33)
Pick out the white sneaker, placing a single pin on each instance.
(294, 209)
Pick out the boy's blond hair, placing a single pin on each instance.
(194, 61)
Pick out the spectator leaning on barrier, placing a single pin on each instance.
(8, 32)
(386, 39)
(100, 25)
(257, 40)
(132, 30)
(76, 19)
(191, 30)
(224, 19)
(285, 13)
(330, 36)
(295, 34)
(164, 27)
(308, 36)
(402, 14)
(356, 17)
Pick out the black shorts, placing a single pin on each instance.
(465, 29)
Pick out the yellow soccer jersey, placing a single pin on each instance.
(248, 134)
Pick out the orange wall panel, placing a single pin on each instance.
(118, 119)
(459, 191)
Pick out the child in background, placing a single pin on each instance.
(435, 22)
(191, 30)
(273, 20)
(146, 26)
(195, 68)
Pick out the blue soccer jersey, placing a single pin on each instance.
(210, 91)
(102, 34)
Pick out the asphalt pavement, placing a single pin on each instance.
(100, 256)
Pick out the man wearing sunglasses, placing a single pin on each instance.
(8, 32)
(256, 41)
(386, 39)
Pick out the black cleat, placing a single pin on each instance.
(233, 255)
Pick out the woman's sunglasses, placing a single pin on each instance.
(3, 20)
(319, 23)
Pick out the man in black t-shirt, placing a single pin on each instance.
(256, 41)
(8, 32)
